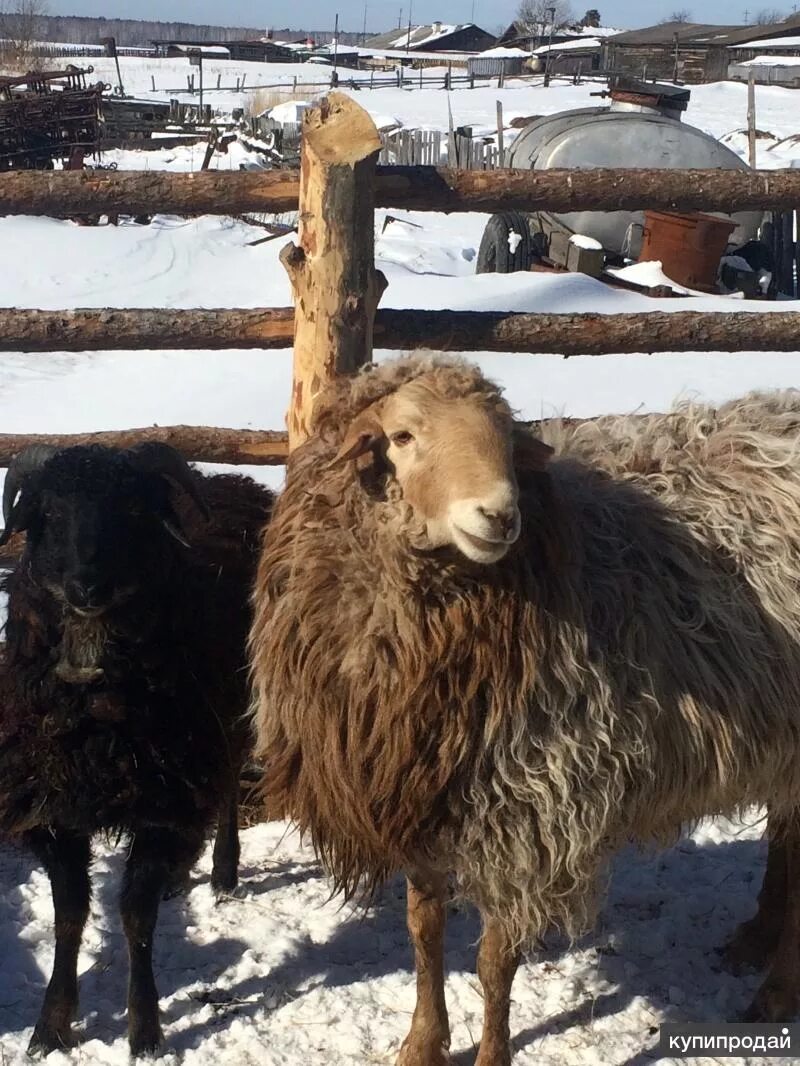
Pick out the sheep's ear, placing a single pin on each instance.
(533, 453)
(365, 432)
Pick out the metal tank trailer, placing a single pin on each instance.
(641, 127)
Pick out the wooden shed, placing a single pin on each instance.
(689, 52)
(498, 62)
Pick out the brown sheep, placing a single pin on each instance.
(471, 658)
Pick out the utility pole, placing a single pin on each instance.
(408, 39)
(335, 43)
(364, 29)
(551, 11)
(196, 60)
(111, 50)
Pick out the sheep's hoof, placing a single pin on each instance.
(223, 885)
(416, 1053)
(751, 947)
(223, 895)
(494, 1054)
(776, 1001)
(146, 1043)
(45, 1040)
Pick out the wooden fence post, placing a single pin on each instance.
(751, 119)
(332, 269)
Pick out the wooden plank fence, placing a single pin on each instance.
(432, 148)
(404, 147)
(334, 278)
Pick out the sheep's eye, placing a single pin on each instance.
(402, 438)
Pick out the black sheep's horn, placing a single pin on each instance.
(157, 458)
(24, 463)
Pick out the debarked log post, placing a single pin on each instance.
(332, 268)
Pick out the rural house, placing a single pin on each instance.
(691, 52)
(256, 51)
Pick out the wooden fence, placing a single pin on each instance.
(337, 289)
(399, 147)
(412, 148)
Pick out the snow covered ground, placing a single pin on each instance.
(282, 975)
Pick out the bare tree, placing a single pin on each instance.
(683, 15)
(591, 19)
(768, 16)
(536, 15)
(20, 29)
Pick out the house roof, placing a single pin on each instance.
(426, 36)
(665, 33)
(698, 33)
(776, 43)
(518, 30)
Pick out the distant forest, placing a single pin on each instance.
(136, 33)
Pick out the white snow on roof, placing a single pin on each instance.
(771, 61)
(600, 31)
(772, 42)
(206, 49)
(579, 44)
(290, 111)
(500, 52)
(436, 31)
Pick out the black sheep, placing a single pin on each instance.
(123, 687)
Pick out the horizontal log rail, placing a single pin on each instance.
(588, 334)
(66, 194)
(405, 330)
(126, 329)
(199, 444)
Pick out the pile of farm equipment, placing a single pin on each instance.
(48, 117)
(60, 117)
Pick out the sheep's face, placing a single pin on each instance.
(92, 553)
(95, 530)
(453, 461)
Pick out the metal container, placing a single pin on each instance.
(642, 128)
(689, 247)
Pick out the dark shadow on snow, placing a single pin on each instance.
(656, 902)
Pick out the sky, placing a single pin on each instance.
(383, 14)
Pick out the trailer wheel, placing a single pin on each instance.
(505, 245)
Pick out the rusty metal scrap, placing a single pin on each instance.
(46, 116)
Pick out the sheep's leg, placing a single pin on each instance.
(429, 1039)
(225, 869)
(156, 859)
(66, 857)
(755, 940)
(497, 963)
(778, 999)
